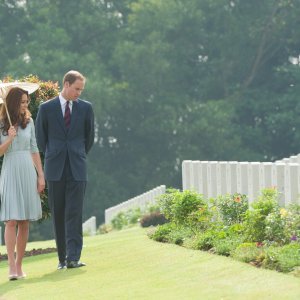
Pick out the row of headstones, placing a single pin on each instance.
(291, 159)
(140, 201)
(212, 178)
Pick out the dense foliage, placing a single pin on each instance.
(169, 80)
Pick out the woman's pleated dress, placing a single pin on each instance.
(20, 199)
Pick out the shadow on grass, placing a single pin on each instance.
(57, 275)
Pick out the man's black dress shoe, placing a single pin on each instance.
(61, 265)
(75, 264)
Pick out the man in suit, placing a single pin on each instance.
(65, 134)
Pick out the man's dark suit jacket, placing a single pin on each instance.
(55, 141)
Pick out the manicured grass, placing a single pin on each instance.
(128, 265)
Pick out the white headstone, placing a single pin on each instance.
(280, 182)
(242, 178)
(212, 179)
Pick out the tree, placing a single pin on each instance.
(13, 31)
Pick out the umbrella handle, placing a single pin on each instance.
(8, 116)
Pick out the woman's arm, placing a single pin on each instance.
(11, 135)
(38, 165)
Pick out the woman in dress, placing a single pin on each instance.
(22, 177)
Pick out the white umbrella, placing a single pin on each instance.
(30, 87)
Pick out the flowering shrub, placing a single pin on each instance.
(231, 208)
(184, 204)
(277, 229)
(200, 219)
(165, 202)
(255, 219)
(182, 208)
(293, 222)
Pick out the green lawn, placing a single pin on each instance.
(128, 265)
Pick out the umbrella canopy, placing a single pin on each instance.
(30, 87)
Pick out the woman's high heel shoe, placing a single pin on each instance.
(12, 277)
(21, 276)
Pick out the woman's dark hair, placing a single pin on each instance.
(13, 102)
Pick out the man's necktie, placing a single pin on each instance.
(67, 115)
